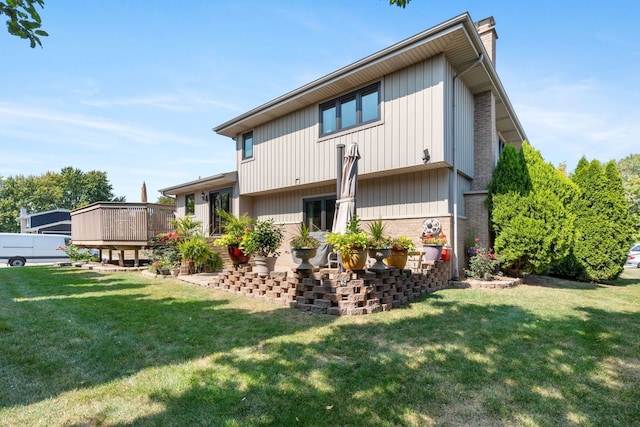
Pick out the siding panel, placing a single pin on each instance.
(288, 151)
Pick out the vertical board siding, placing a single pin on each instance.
(286, 207)
(464, 107)
(409, 195)
(464, 185)
(288, 151)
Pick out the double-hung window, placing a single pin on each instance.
(247, 145)
(353, 109)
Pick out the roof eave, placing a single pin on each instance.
(227, 178)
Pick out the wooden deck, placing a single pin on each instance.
(119, 226)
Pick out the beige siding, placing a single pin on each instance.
(464, 185)
(412, 195)
(464, 106)
(288, 151)
(286, 208)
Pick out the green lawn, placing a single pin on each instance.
(82, 348)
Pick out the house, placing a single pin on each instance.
(429, 115)
(56, 221)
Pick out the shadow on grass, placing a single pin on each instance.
(440, 361)
(57, 336)
(458, 364)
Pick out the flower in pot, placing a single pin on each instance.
(304, 246)
(400, 248)
(350, 245)
(379, 245)
(432, 246)
(263, 241)
(235, 228)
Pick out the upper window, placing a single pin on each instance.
(350, 110)
(190, 204)
(247, 145)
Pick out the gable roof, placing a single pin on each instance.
(456, 38)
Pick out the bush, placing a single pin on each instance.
(602, 218)
(535, 229)
(263, 239)
(76, 254)
(483, 264)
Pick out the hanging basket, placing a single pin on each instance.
(431, 252)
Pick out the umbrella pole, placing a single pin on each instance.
(339, 161)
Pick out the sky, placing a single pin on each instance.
(133, 88)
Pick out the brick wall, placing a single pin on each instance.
(327, 291)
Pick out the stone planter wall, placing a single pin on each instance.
(327, 291)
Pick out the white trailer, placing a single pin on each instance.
(16, 248)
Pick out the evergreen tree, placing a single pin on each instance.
(603, 226)
(534, 229)
(510, 174)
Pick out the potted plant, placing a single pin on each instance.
(263, 240)
(400, 248)
(379, 245)
(350, 245)
(304, 246)
(194, 251)
(432, 246)
(235, 228)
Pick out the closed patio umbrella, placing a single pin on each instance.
(346, 203)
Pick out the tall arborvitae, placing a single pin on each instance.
(509, 175)
(534, 229)
(603, 228)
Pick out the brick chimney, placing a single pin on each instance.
(487, 31)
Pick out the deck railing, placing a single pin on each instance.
(112, 223)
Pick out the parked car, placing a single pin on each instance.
(633, 257)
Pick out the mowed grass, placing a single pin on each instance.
(80, 348)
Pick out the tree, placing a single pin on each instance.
(534, 228)
(69, 189)
(24, 20)
(510, 174)
(603, 226)
(629, 169)
(400, 3)
(166, 200)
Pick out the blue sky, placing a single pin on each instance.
(133, 88)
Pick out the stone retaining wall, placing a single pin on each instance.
(327, 291)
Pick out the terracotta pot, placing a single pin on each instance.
(237, 256)
(305, 254)
(397, 259)
(354, 260)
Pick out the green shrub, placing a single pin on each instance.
(263, 239)
(603, 224)
(534, 229)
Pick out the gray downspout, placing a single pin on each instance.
(456, 273)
